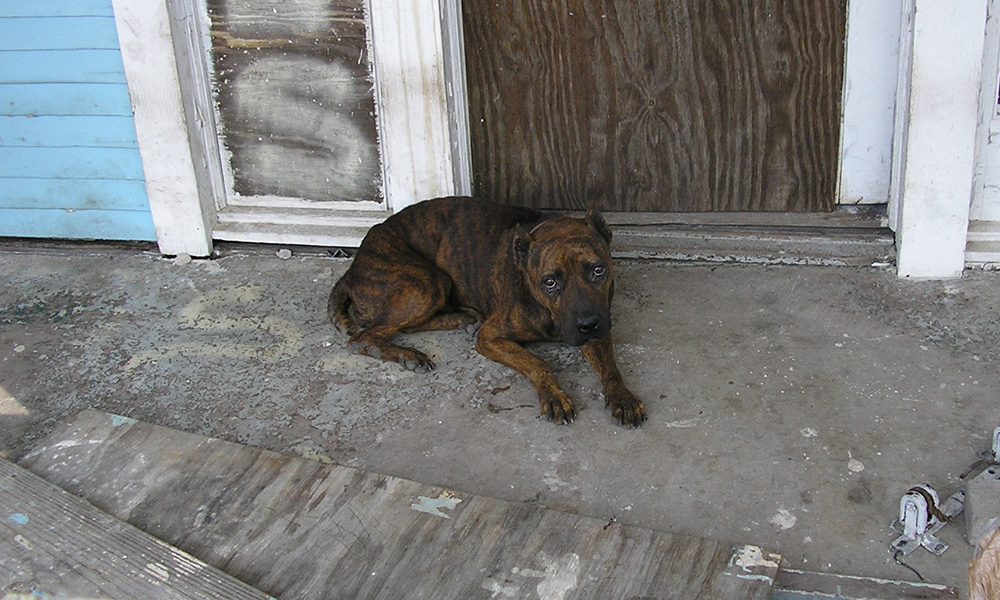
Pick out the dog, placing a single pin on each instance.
(509, 274)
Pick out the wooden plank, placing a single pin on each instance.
(54, 8)
(74, 194)
(61, 66)
(64, 99)
(68, 132)
(54, 545)
(58, 33)
(71, 163)
(299, 529)
(666, 105)
(77, 224)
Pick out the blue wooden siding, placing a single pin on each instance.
(69, 160)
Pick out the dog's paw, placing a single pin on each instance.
(415, 361)
(408, 358)
(626, 408)
(558, 408)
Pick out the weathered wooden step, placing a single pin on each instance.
(55, 545)
(300, 529)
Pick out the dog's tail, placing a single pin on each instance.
(339, 309)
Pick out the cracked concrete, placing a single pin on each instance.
(789, 407)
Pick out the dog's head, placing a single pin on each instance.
(566, 264)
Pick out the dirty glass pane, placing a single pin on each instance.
(294, 88)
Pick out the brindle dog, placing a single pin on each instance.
(515, 273)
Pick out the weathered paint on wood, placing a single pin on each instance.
(55, 545)
(44, 8)
(300, 529)
(69, 132)
(72, 194)
(666, 105)
(70, 163)
(30, 100)
(69, 160)
(62, 66)
(794, 584)
(295, 94)
(75, 223)
(59, 33)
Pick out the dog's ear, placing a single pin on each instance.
(596, 220)
(520, 245)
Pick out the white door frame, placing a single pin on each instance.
(869, 101)
(421, 113)
(183, 225)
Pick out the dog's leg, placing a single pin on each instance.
(417, 295)
(377, 343)
(554, 403)
(625, 407)
(450, 320)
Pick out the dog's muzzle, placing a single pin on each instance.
(586, 327)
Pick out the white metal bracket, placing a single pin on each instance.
(921, 515)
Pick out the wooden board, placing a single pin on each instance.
(299, 529)
(662, 105)
(55, 545)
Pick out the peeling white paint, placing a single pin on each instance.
(783, 519)
(558, 577)
(497, 589)
(750, 558)
(436, 506)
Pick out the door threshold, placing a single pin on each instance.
(850, 236)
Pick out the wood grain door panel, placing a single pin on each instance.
(660, 105)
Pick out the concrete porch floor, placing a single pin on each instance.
(789, 407)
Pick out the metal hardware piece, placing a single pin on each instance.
(921, 515)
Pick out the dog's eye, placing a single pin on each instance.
(600, 271)
(551, 284)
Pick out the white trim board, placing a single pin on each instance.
(870, 79)
(420, 99)
(939, 103)
(170, 167)
(983, 245)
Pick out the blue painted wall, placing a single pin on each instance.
(69, 161)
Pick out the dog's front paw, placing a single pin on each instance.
(625, 407)
(557, 407)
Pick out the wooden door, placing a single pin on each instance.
(656, 105)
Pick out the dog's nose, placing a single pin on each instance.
(588, 325)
